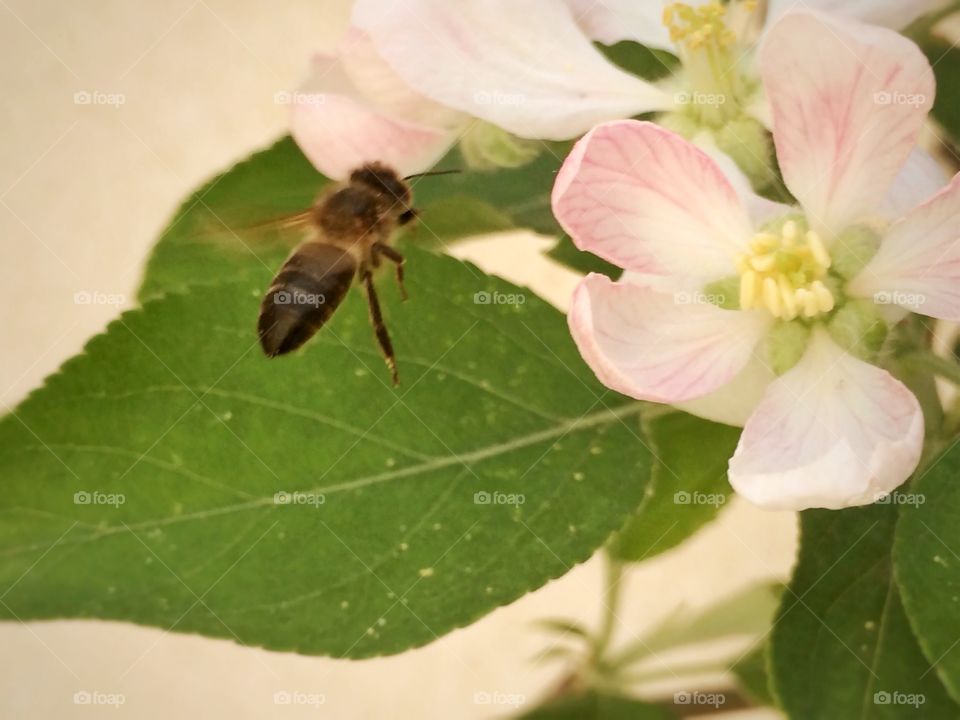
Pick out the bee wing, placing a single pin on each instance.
(305, 293)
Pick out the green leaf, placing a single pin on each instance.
(748, 612)
(945, 60)
(210, 238)
(640, 60)
(688, 489)
(841, 645)
(751, 674)
(566, 253)
(598, 706)
(389, 545)
(928, 566)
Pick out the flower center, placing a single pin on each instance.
(708, 48)
(784, 271)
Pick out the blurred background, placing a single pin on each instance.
(113, 112)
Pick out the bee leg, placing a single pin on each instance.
(398, 260)
(376, 318)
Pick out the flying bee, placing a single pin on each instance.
(352, 226)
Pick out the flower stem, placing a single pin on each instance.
(611, 604)
(943, 367)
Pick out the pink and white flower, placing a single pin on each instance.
(355, 109)
(822, 426)
(532, 69)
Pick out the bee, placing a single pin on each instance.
(352, 227)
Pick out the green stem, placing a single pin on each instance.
(675, 671)
(941, 366)
(611, 604)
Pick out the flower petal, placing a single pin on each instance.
(656, 346)
(848, 103)
(832, 432)
(733, 403)
(895, 14)
(647, 200)
(610, 21)
(526, 67)
(918, 264)
(339, 129)
(919, 179)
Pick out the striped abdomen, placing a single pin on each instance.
(304, 294)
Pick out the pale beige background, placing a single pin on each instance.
(84, 190)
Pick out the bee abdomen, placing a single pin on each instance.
(309, 287)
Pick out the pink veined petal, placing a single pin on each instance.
(524, 66)
(848, 103)
(918, 264)
(919, 179)
(733, 403)
(832, 432)
(338, 129)
(656, 346)
(895, 14)
(610, 21)
(379, 84)
(647, 200)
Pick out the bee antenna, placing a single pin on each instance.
(433, 172)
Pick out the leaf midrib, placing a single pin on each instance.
(603, 417)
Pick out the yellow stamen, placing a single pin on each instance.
(783, 272)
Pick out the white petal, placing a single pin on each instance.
(526, 67)
(919, 180)
(896, 14)
(848, 103)
(658, 346)
(918, 264)
(339, 129)
(647, 200)
(610, 21)
(733, 403)
(833, 432)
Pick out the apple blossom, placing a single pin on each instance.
(786, 306)
(531, 68)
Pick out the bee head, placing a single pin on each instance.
(385, 182)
